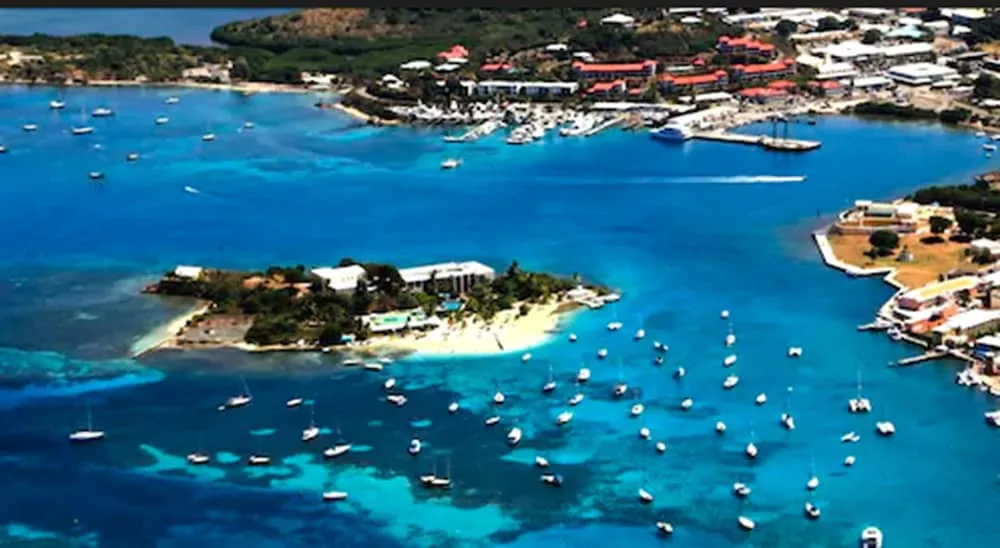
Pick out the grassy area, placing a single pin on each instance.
(929, 260)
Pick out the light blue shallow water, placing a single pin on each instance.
(683, 230)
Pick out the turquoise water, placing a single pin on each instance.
(683, 230)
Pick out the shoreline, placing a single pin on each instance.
(507, 333)
(166, 334)
(241, 87)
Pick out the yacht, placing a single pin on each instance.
(373, 366)
(746, 523)
(644, 496)
(398, 400)
(82, 130)
(96, 175)
(761, 399)
(614, 326)
(564, 418)
(541, 462)
(730, 382)
(664, 528)
(526, 357)
(249, 125)
(340, 448)
(240, 400)
(453, 407)
(102, 112)
(172, 100)
(199, 457)
(849, 461)
(794, 352)
(572, 337)
(259, 460)
(208, 137)
(88, 433)
(415, 446)
(450, 163)
(555, 480)
(331, 496)
(639, 334)
(989, 147)
(160, 120)
(389, 383)
(812, 511)
(499, 398)
(720, 427)
(724, 314)
(583, 375)
(850, 437)
(871, 537)
(730, 339)
(644, 433)
(679, 373)
(741, 490)
(751, 448)
(687, 403)
(729, 361)
(813, 483)
(859, 404)
(661, 447)
(637, 409)
(885, 428)
(56, 105)
(490, 421)
(620, 389)
(514, 436)
(672, 133)
(576, 399)
(28, 128)
(602, 353)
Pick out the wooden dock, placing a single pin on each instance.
(605, 125)
(926, 356)
(770, 143)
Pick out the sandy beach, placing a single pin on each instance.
(166, 335)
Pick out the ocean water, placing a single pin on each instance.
(185, 25)
(683, 230)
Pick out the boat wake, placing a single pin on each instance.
(740, 179)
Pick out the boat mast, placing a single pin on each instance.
(90, 419)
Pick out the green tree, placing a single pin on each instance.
(871, 36)
(970, 222)
(883, 242)
(331, 335)
(829, 23)
(939, 224)
(786, 28)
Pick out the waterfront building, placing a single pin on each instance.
(967, 324)
(459, 276)
(713, 97)
(919, 74)
(935, 294)
(693, 83)
(827, 88)
(341, 279)
(189, 272)
(744, 46)
(763, 95)
(612, 71)
(851, 51)
(391, 322)
(783, 68)
(872, 83)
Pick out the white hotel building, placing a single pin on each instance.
(461, 276)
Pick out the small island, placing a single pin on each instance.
(448, 308)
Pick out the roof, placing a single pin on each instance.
(777, 66)
(868, 81)
(694, 79)
(989, 340)
(495, 67)
(782, 84)
(748, 43)
(825, 84)
(968, 320)
(761, 92)
(618, 19)
(416, 65)
(918, 70)
(850, 48)
(457, 50)
(601, 87)
(907, 49)
(985, 243)
(183, 271)
(340, 278)
(939, 289)
(613, 67)
(444, 270)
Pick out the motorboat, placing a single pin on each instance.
(172, 100)
(259, 460)
(499, 398)
(208, 137)
(514, 436)
(687, 403)
(644, 433)
(751, 450)
(490, 421)
(761, 399)
(639, 334)
(620, 389)
(644, 496)
(249, 125)
(583, 375)
(850, 437)
(96, 175)
(453, 407)
(82, 130)
(340, 448)
(746, 523)
(729, 360)
(672, 133)
(28, 128)
(659, 347)
(526, 357)
(989, 147)
(350, 362)
(720, 427)
(871, 537)
(102, 112)
(332, 496)
(389, 383)
(794, 352)
(450, 163)
(658, 360)
(788, 421)
(849, 461)
(310, 433)
(813, 483)
(679, 373)
(199, 457)
(161, 120)
(415, 446)
(885, 428)
(614, 326)
(541, 462)
(741, 490)
(564, 418)
(664, 528)
(572, 337)
(724, 314)
(373, 366)
(132, 156)
(57, 105)
(812, 511)
(730, 382)
(3, 149)
(637, 409)
(549, 386)
(555, 480)
(576, 399)
(661, 447)
(602, 353)
(398, 400)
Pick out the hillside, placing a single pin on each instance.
(366, 41)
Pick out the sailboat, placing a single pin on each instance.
(200, 456)
(312, 432)
(294, 402)
(730, 337)
(498, 396)
(550, 385)
(751, 448)
(859, 404)
(57, 104)
(645, 496)
(208, 135)
(240, 400)
(83, 128)
(637, 407)
(259, 458)
(786, 416)
(493, 419)
(88, 433)
(444, 482)
(340, 447)
(578, 397)
(813, 482)
(332, 496)
(620, 386)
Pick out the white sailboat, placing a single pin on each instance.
(312, 431)
(240, 400)
(811, 510)
(56, 104)
(730, 337)
(200, 456)
(549, 385)
(294, 402)
(664, 528)
(746, 523)
(541, 462)
(849, 461)
(661, 447)
(389, 383)
(493, 419)
(578, 397)
(813, 481)
(340, 447)
(453, 407)
(720, 427)
(761, 399)
(602, 353)
(687, 404)
(644, 433)
(29, 128)
(415, 446)
(637, 407)
(83, 128)
(208, 135)
(730, 382)
(620, 387)
(741, 490)
(639, 334)
(514, 436)
(88, 433)
(161, 120)
(871, 537)
(859, 403)
(751, 448)
(583, 375)
(564, 418)
(729, 360)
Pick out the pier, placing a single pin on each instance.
(604, 125)
(770, 143)
(926, 356)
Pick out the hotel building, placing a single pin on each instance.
(460, 276)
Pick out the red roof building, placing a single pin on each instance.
(641, 69)
(744, 46)
(457, 51)
(694, 82)
(767, 71)
(581, 24)
(829, 88)
(786, 85)
(763, 95)
(606, 88)
(496, 67)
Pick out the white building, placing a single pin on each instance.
(415, 65)
(462, 276)
(619, 19)
(939, 28)
(917, 51)
(835, 71)
(871, 14)
(344, 278)
(985, 245)
(849, 52)
(189, 272)
(16, 57)
(517, 87)
(209, 71)
(919, 74)
(872, 83)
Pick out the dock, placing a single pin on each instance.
(770, 143)
(926, 356)
(604, 125)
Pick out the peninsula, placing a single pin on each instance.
(448, 308)
(938, 247)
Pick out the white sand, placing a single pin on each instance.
(166, 334)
